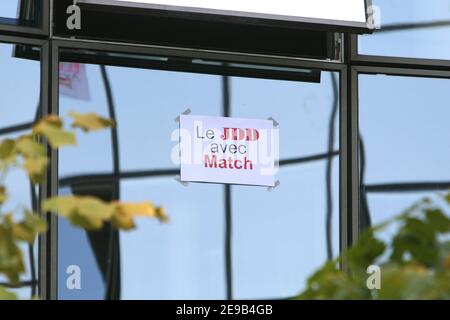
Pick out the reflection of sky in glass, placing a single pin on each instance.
(17, 76)
(429, 43)
(412, 115)
(405, 131)
(8, 8)
(185, 259)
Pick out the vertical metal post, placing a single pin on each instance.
(349, 169)
(343, 164)
(228, 208)
(46, 16)
(354, 155)
(48, 241)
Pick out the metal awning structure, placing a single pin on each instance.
(289, 28)
(336, 14)
(332, 13)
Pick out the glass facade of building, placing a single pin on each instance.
(338, 174)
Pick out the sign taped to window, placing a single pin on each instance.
(228, 150)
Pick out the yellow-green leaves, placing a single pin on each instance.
(28, 147)
(125, 213)
(7, 295)
(91, 213)
(27, 153)
(7, 153)
(6, 148)
(414, 264)
(36, 168)
(161, 214)
(52, 129)
(11, 261)
(90, 122)
(29, 228)
(447, 197)
(34, 157)
(86, 212)
(3, 195)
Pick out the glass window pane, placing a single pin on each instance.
(8, 8)
(186, 258)
(183, 259)
(412, 114)
(19, 84)
(82, 90)
(410, 28)
(303, 109)
(279, 237)
(159, 96)
(19, 101)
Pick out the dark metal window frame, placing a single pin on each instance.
(62, 45)
(397, 62)
(15, 27)
(353, 65)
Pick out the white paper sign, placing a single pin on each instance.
(290, 10)
(228, 150)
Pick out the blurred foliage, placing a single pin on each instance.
(27, 152)
(414, 264)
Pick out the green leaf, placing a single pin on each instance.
(29, 228)
(91, 213)
(90, 122)
(86, 222)
(11, 260)
(366, 252)
(438, 220)
(6, 148)
(125, 213)
(419, 240)
(51, 128)
(409, 282)
(418, 267)
(161, 215)
(446, 262)
(86, 212)
(331, 283)
(447, 197)
(3, 195)
(94, 208)
(121, 220)
(35, 168)
(64, 206)
(7, 295)
(8, 156)
(28, 147)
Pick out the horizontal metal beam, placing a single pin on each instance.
(197, 54)
(407, 187)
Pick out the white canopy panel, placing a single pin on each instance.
(340, 12)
